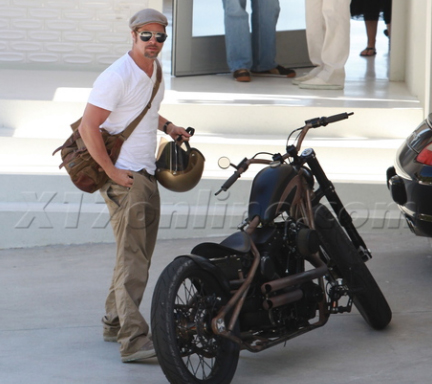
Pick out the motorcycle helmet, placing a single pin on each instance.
(178, 169)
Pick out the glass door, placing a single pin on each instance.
(199, 43)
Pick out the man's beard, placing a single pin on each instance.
(151, 54)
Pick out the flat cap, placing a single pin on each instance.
(147, 16)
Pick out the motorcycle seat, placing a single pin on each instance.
(238, 242)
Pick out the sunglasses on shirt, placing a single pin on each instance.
(147, 35)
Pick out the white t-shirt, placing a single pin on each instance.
(125, 89)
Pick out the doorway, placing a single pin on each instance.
(198, 46)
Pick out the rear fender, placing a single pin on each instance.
(214, 270)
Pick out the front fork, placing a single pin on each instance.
(327, 189)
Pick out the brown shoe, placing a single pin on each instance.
(279, 71)
(242, 75)
(145, 352)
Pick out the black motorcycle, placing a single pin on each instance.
(410, 179)
(289, 267)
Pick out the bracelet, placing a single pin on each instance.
(166, 126)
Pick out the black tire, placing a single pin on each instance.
(366, 294)
(185, 299)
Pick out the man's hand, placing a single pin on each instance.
(178, 132)
(121, 177)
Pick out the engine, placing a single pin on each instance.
(282, 248)
(285, 317)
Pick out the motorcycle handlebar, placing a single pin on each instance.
(229, 182)
(323, 121)
(243, 166)
(312, 123)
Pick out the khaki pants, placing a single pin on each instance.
(135, 219)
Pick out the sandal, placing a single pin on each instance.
(368, 52)
(242, 75)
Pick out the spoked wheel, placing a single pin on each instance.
(185, 300)
(365, 292)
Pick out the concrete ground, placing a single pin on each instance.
(52, 299)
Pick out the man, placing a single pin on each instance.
(120, 93)
(254, 52)
(328, 40)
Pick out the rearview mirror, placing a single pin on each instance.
(224, 162)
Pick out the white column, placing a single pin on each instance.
(398, 40)
(428, 59)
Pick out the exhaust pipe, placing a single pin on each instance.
(299, 278)
(286, 298)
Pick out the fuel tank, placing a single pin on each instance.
(267, 189)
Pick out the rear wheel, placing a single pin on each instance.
(365, 292)
(185, 300)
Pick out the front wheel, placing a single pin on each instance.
(185, 300)
(338, 248)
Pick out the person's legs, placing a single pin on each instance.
(335, 35)
(237, 35)
(265, 15)
(111, 322)
(315, 30)
(371, 32)
(336, 45)
(135, 219)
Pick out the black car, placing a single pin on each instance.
(410, 179)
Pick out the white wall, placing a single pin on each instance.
(66, 33)
(411, 47)
(416, 47)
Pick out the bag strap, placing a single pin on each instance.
(128, 131)
(76, 137)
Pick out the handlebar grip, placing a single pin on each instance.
(229, 182)
(323, 121)
(341, 116)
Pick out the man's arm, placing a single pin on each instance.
(173, 130)
(89, 129)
